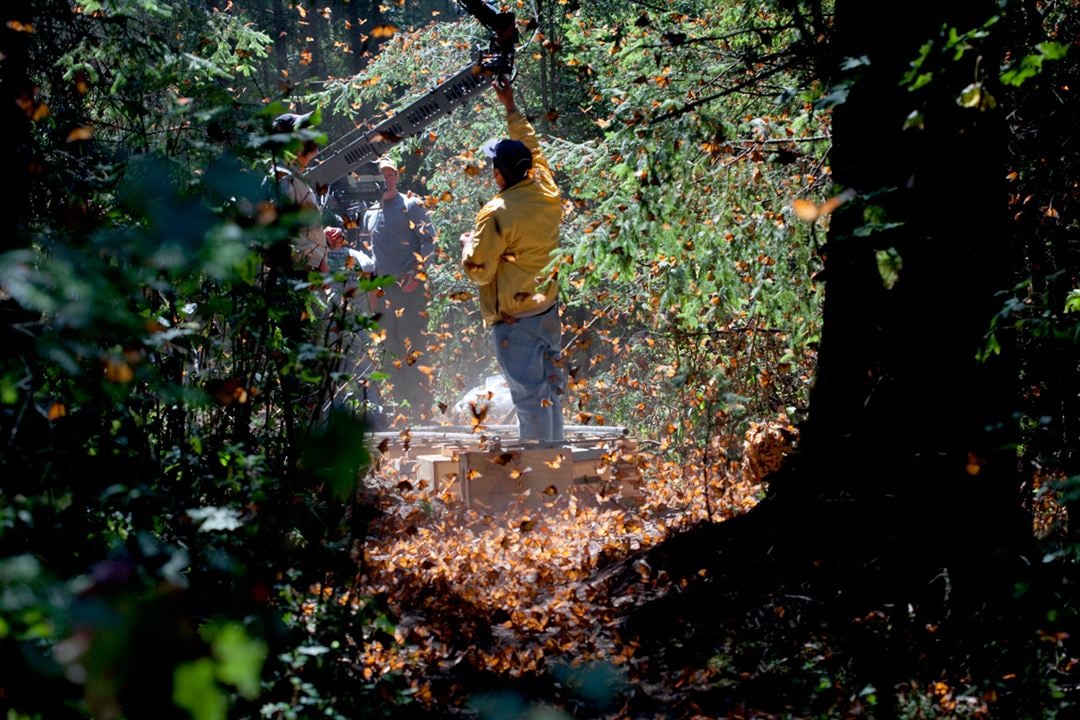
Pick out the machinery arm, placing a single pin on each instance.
(502, 25)
(352, 153)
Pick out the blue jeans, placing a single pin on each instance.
(403, 315)
(528, 353)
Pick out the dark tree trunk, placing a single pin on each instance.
(905, 489)
(1044, 208)
(904, 492)
(907, 427)
(318, 29)
(902, 502)
(16, 90)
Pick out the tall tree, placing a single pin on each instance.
(904, 491)
(903, 410)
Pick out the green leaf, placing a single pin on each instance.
(196, 690)
(993, 347)
(850, 63)
(334, 456)
(1053, 50)
(871, 228)
(921, 80)
(313, 650)
(9, 389)
(1031, 65)
(889, 264)
(913, 78)
(915, 120)
(838, 96)
(1072, 301)
(953, 39)
(20, 569)
(240, 658)
(975, 96)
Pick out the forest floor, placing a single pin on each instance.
(597, 608)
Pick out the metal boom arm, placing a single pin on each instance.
(439, 101)
(503, 27)
(350, 153)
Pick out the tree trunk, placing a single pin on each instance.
(902, 499)
(907, 461)
(15, 90)
(281, 47)
(318, 29)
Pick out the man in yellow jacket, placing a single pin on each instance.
(507, 255)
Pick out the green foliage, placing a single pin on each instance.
(683, 226)
(942, 54)
(166, 368)
(745, 268)
(889, 264)
(1072, 301)
(679, 222)
(195, 690)
(1032, 64)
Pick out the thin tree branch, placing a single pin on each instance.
(714, 38)
(691, 106)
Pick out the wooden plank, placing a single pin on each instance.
(626, 470)
(465, 435)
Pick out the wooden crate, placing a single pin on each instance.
(438, 470)
(609, 471)
(493, 480)
(490, 474)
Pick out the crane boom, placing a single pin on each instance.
(351, 153)
(502, 25)
(343, 158)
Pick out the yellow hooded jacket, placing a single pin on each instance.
(516, 235)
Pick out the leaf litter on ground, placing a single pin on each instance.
(523, 593)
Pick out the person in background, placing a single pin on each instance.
(401, 239)
(311, 320)
(309, 248)
(507, 255)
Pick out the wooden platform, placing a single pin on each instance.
(492, 469)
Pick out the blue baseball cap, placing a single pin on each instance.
(512, 157)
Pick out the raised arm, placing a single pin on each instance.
(519, 128)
